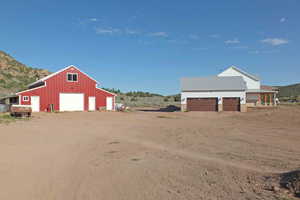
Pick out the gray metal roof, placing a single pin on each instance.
(213, 83)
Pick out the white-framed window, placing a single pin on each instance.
(72, 77)
(25, 98)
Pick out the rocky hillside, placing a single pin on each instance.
(15, 76)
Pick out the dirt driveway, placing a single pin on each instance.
(147, 155)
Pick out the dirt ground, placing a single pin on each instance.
(148, 155)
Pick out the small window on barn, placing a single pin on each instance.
(75, 77)
(69, 77)
(72, 77)
(25, 98)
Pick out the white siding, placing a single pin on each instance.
(251, 83)
(218, 94)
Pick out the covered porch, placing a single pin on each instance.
(261, 98)
(9, 100)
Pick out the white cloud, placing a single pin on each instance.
(234, 41)
(105, 31)
(194, 36)
(93, 19)
(264, 52)
(132, 32)
(214, 36)
(132, 18)
(144, 42)
(254, 52)
(159, 34)
(283, 19)
(176, 41)
(275, 41)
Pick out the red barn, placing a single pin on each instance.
(67, 90)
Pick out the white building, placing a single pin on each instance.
(231, 90)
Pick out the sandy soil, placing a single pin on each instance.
(148, 155)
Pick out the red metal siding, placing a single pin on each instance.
(49, 94)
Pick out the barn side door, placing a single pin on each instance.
(35, 103)
(92, 103)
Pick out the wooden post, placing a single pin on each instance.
(265, 99)
(271, 99)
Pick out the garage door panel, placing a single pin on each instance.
(231, 104)
(202, 104)
(71, 102)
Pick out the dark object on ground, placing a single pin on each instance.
(20, 111)
(291, 181)
(170, 108)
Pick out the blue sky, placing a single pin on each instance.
(149, 45)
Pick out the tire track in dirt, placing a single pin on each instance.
(197, 156)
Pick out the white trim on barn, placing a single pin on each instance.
(32, 89)
(107, 91)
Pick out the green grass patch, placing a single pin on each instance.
(6, 118)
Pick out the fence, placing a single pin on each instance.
(4, 108)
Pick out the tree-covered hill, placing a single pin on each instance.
(15, 76)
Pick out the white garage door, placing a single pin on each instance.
(71, 102)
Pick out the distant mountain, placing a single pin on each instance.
(289, 90)
(15, 76)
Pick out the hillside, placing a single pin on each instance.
(15, 76)
(289, 90)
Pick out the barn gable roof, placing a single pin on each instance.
(55, 73)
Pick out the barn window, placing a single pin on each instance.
(25, 98)
(72, 77)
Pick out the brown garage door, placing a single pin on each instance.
(202, 104)
(231, 104)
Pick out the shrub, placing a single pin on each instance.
(133, 99)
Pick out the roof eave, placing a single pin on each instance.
(245, 73)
